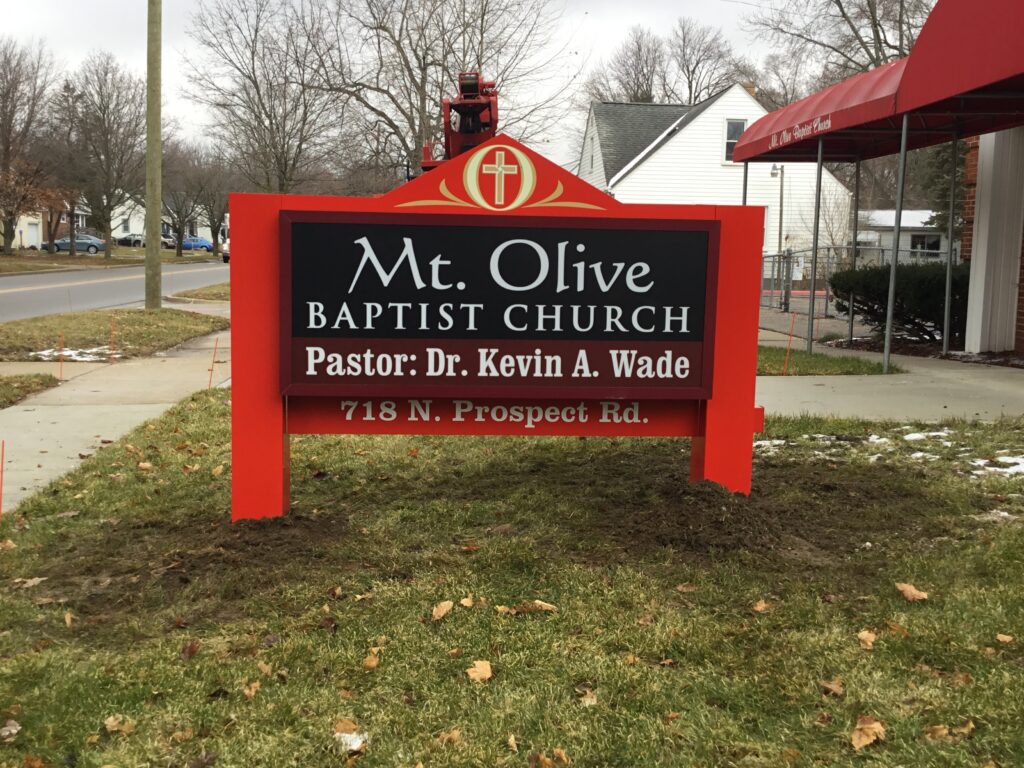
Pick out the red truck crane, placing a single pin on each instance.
(470, 119)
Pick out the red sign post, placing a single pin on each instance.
(497, 294)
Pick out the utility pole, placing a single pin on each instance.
(154, 153)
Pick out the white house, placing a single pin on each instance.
(672, 153)
(130, 219)
(918, 238)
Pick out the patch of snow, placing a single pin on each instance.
(352, 742)
(995, 516)
(768, 443)
(922, 456)
(872, 459)
(876, 439)
(92, 355)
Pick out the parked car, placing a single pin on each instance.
(86, 243)
(132, 241)
(196, 244)
(225, 250)
(168, 241)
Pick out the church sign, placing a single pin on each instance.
(496, 294)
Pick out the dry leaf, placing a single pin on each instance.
(466, 602)
(671, 717)
(372, 661)
(68, 618)
(512, 745)
(560, 757)
(480, 672)
(961, 678)
(414, 452)
(894, 627)
(264, 668)
(145, 466)
(545, 606)
(1004, 639)
(217, 471)
(7, 544)
(453, 736)
(31, 761)
(835, 687)
(250, 689)
(35, 581)
(441, 610)
(180, 736)
(631, 659)
(91, 739)
(588, 699)
(910, 592)
(667, 663)
(347, 734)
(9, 730)
(540, 760)
(964, 729)
(686, 588)
(937, 733)
(868, 731)
(455, 652)
(119, 724)
(761, 606)
(867, 639)
(190, 649)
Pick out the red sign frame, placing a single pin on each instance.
(721, 418)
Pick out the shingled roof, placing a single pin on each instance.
(625, 129)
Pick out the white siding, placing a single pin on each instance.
(691, 168)
(591, 168)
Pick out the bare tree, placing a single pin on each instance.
(702, 61)
(111, 123)
(218, 178)
(843, 36)
(255, 76)
(26, 77)
(182, 179)
(394, 60)
(637, 71)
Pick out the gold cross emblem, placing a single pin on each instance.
(499, 170)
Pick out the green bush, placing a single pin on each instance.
(920, 297)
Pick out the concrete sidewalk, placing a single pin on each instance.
(46, 433)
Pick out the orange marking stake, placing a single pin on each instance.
(110, 354)
(60, 357)
(789, 345)
(213, 361)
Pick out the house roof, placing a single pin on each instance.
(691, 114)
(886, 219)
(625, 129)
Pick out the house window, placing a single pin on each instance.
(591, 156)
(925, 242)
(192, 229)
(124, 225)
(63, 218)
(733, 130)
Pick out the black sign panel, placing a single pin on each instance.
(513, 306)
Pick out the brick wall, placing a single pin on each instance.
(969, 191)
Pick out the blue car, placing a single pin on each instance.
(83, 244)
(196, 244)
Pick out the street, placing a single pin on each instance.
(74, 290)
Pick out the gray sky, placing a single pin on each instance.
(74, 28)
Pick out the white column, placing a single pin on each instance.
(995, 253)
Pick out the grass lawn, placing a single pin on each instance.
(678, 625)
(13, 389)
(218, 292)
(771, 362)
(30, 261)
(87, 335)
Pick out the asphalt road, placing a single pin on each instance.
(74, 290)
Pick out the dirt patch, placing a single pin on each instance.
(933, 350)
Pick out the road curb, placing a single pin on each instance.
(90, 268)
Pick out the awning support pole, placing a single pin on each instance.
(949, 254)
(814, 249)
(897, 231)
(746, 169)
(856, 234)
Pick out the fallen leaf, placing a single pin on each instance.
(512, 745)
(686, 588)
(560, 757)
(414, 452)
(964, 729)
(666, 663)
(84, 456)
(34, 762)
(894, 627)
(217, 471)
(1004, 639)
(867, 639)
(250, 689)
(911, 593)
(9, 730)
(347, 734)
(791, 755)
(441, 610)
(372, 661)
(548, 607)
(68, 618)
(961, 678)
(868, 731)
(188, 469)
(119, 724)
(539, 760)
(466, 602)
(671, 717)
(588, 699)
(631, 659)
(264, 668)
(29, 583)
(453, 736)
(91, 739)
(8, 545)
(190, 649)
(761, 606)
(181, 736)
(480, 672)
(937, 733)
(346, 694)
(455, 652)
(835, 687)
(145, 466)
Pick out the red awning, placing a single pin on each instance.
(843, 115)
(964, 77)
